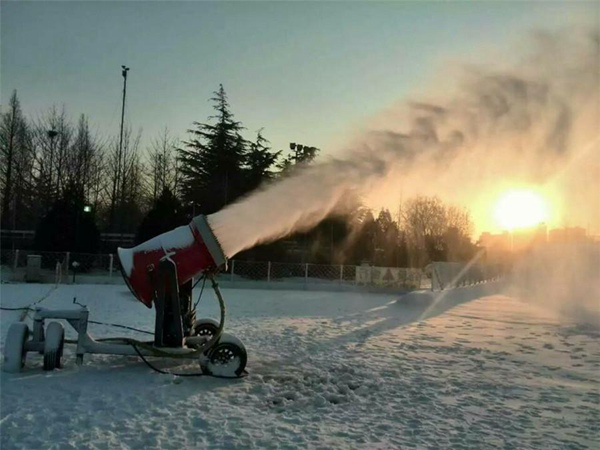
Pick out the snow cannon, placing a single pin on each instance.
(159, 273)
(193, 249)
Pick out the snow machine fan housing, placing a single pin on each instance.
(193, 248)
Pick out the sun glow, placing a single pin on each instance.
(521, 208)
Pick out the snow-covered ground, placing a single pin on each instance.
(475, 369)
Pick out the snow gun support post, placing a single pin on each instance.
(161, 270)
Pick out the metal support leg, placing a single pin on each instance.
(168, 331)
(82, 333)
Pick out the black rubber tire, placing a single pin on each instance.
(206, 327)
(15, 353)
(53, 346)
(223, 352)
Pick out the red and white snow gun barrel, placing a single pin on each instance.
(193, 248)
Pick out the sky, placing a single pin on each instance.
(308, 72)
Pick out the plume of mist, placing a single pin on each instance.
(534, 121)
(564, 279)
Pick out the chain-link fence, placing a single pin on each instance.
(44, 267)
(66, 267)
(450, 274)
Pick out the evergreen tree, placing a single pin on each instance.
(386, 240)
(67, 227)
(259, 159)
(362, 239)
(213, 160)
(167, 213)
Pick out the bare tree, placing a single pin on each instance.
(424, 220)
(436, 231)
(84, 164)
(52, 135)
(15, 159)
(162, 165)
(458, 234)
(124, 174)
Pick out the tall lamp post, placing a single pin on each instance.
(306, 153)
(302, 152)
(117, 185)
(52, 133)
(124, 73)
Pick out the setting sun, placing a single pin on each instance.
(521, 209)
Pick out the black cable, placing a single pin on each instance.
(120, 326)
(26, 308)
(194, 374)
(201, 290)
(201, 278)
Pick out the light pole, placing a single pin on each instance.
(117, 187)
(303, 152)
(296, 148)
(124, 73)
(52, 133)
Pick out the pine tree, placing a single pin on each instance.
(166, 213)
(67, 226)
(260, 159)
(213, 160)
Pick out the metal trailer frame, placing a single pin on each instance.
(78, 319)
(197, 347)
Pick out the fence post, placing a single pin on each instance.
(269, 272)
(110, 265)
(67, 261)
(232, 269)
(306, 275)
(341, 273)
(16, 261)
(57, 274)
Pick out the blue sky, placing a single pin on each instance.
(306, 71)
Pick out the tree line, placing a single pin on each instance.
(68, 183)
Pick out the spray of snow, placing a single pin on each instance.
(535, 123)
(563, 279)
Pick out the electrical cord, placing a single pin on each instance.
(192, 374)
(116, 325)
(201, 290)
(29, 307)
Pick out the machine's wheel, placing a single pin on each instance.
(227, 358)
(14, 347)
(53, 346)
(206, 327)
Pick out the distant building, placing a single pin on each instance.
(567, 235)
(491, 241)
(498, 246)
